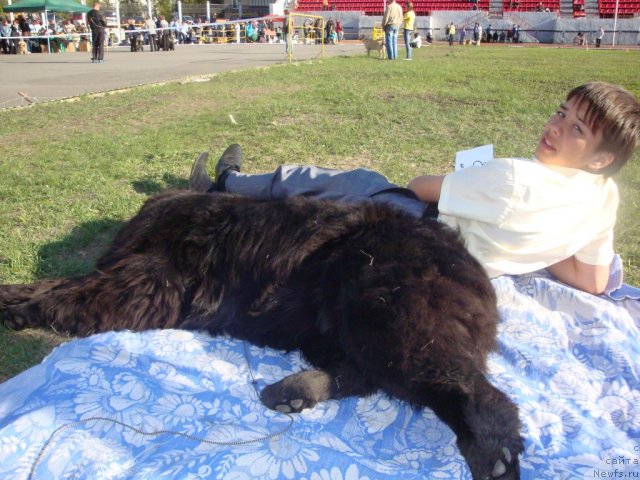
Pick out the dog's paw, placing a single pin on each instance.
(284, 399)
(296, 392)
(280, 402)
(502, 464)
(506, 467)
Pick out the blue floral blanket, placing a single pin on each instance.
(182, 405)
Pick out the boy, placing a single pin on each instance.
(555, 211)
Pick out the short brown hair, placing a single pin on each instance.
(616, 112)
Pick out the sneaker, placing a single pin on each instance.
(229, 161)
(199, 181)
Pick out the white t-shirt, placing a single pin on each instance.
(518, 215)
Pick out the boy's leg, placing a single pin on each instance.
(360, 185)
(354, 186)
(321, 183)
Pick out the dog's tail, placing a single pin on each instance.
(14, 299)
(17, 294)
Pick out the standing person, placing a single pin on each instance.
(150, 26)
(5, 33)
(408, 25)
(515, 35)
(339, 30)
(391, 24)
(159, 33)
(184, 36)
(306, 29)
(477, 34)
(330, 29)
(132, 33)
(317, 28)
(286, 32)
(599, 37)
(15, 35)
(165, 35)
(451, 33)
(97, 24)
(463, 33)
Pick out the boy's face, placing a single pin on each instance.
(567, 141)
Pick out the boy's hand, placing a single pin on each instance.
(427, 187)
(583, 276)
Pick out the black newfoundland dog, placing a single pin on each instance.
(374, 298)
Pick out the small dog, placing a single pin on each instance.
(374, 299)
(375, 45)
(22, 47)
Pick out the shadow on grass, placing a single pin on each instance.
(77, 253)
(148, 186)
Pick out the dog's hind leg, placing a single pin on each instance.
(486, 423)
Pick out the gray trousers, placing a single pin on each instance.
(355, 186)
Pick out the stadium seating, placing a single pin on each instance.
(626, 8)
(529, 5)
(606, 8)
(369, 7)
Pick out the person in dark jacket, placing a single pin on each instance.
(134, 36)
(97, 24)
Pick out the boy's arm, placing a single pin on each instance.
(583, 276)
(427, 187)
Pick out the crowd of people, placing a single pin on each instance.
(478, 34)
(157, 33)
(31, 30)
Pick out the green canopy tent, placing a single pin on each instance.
(46, 6)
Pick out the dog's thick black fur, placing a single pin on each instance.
(375, 299)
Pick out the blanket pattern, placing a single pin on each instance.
(182, 405)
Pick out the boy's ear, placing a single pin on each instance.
(602, 159)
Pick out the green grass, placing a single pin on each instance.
(73, 172)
